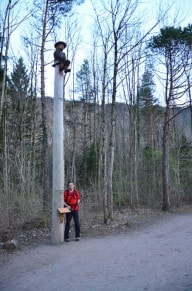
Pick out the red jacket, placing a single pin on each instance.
(71, 198)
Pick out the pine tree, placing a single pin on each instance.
(173, 45)
(18, 92)
(146, 91)
(85, 90)
(20, 108)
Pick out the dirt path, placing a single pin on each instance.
(156, 257)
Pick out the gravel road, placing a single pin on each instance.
(156, 257)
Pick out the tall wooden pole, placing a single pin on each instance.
(58, 158)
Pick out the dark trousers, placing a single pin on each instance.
(75, 215)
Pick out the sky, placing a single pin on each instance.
(182, 9)
(83, 14)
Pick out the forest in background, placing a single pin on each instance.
(131, 153)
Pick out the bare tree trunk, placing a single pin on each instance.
(112, 132)
(6, 192)
(165, 161)
(134, 132)
(133, 156)
(73, 165)
(165, 140)
(102, 165)
(33, 132)
(6, 35)
(85, 142)
(45, 155)
(135, 171)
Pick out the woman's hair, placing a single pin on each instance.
(71, 183)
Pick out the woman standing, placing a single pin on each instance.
(72, 201)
